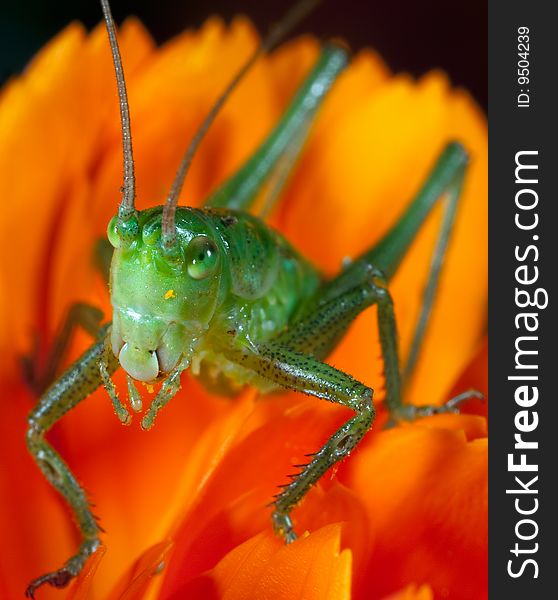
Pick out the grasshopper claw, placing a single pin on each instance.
(411, 412)
(58, 579)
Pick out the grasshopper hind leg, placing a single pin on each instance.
(443, 184)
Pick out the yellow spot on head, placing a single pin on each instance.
(170, 294)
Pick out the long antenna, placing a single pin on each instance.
(126, 208)
(276, 33)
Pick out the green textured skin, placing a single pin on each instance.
(260, 284)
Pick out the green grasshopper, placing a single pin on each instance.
(217, 286)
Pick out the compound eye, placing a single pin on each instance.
(112, 233)
(201, 257)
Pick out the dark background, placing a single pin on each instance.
(411, 36)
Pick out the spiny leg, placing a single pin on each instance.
(452, 196)
(168, 390)
(279, 178)
(289, 360)
(428, 298)
(445, 181)
(410, 412)
(338, 446)
(299, 372)
(319, 331)
(105, 360)
(80, 380)
(373, 290)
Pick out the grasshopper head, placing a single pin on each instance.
(162, 302)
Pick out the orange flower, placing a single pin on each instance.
(184, 506)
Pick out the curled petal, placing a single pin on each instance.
(312, 568)
(428, 509)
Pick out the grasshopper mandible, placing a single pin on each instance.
(218, 286)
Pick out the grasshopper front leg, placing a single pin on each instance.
(306, 374)
(78, 382)
(292, 360)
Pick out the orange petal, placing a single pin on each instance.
(134, 584)
(142, 482)
(311, 568)
(232, 505)
(426, 492)
(208, 469)
(81, 588)
(412, 592)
